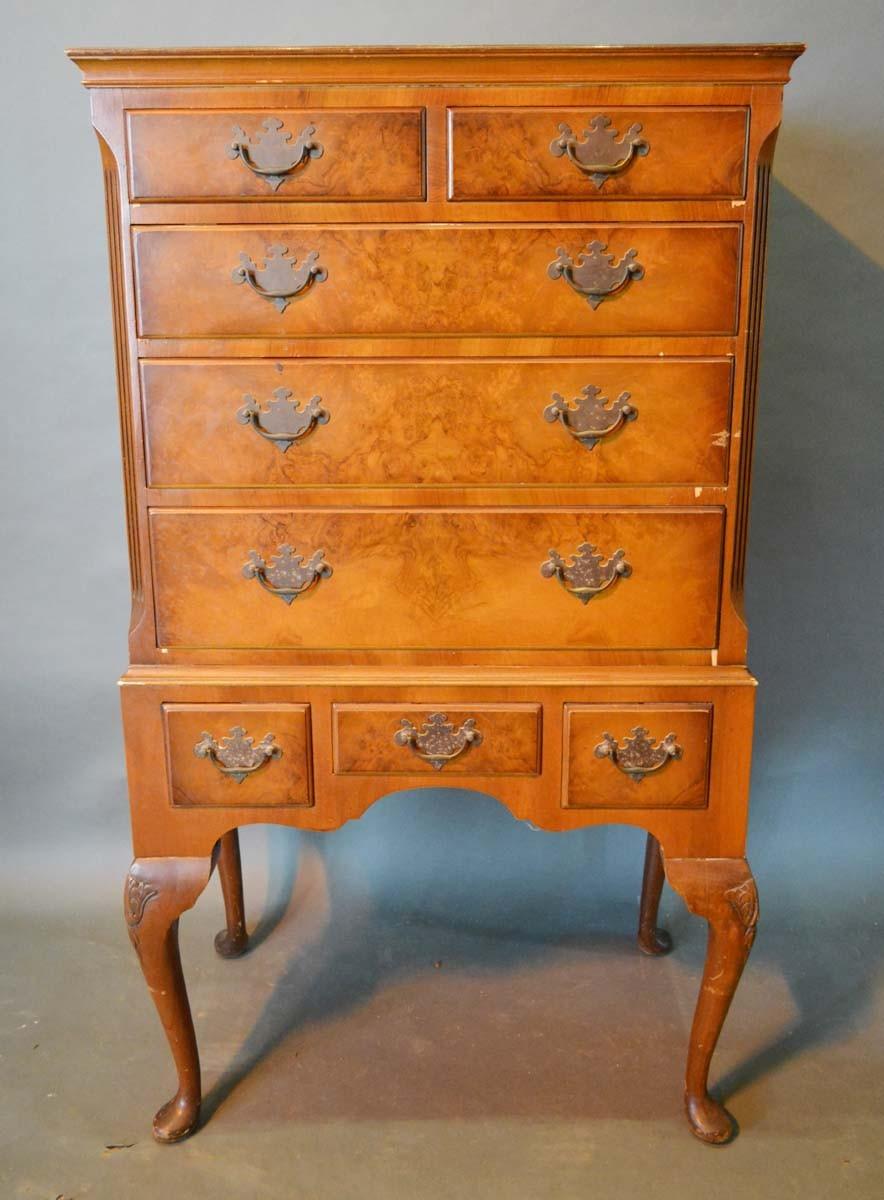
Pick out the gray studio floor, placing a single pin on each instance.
(485, 1034)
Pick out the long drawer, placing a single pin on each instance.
(393, 579)
(508, 280)
(256, 423)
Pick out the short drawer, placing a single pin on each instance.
(237, 756)
(637, 755)
(597, 154)
(414, 739)
(506, 280)
(430, 579)
(286, 154)
(250, 424)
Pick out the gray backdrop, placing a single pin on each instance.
(815, 574)
(815, 563)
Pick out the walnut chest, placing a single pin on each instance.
(436, 374)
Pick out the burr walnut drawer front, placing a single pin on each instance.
(415, 739)
(238, 756)
(256, 423)
(596, 154)
(283, 154)
(472, 578)
(636, 755)
(501, 281)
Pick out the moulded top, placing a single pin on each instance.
(191, 66)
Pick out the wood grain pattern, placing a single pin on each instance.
(443, 281)
(593, 782)
(363, 740)
(438, 580)
(197, 783)
(504, 153)
(432, 423)
(366, 155)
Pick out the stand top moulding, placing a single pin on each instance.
(719, 64)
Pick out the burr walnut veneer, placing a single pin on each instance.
(436, 373)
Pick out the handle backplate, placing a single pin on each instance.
(639, 754)
(437, 742)
(593, 274)
(236, 756)
(590, 417)
(588, 573)
(283, 422)
(271, 154)
(599, 155)
(280, 280)
(288, 575)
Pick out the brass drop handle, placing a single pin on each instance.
(599, 155)
(272, 155)
(437, 742)
(236, 755)
(287, 575)
(593, 274)
(588, 418)
(283, 422)
(640, 754)
(588, 573)
(280, 280)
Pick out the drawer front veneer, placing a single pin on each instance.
(637, 755)
(503, 281)
(281, 154)
(413, 739)
(540, 154)
(248, 424)
(392, 579)
(238, 756)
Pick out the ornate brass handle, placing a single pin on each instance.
(587, 574)
(437, 741)
(236, 755)
(589, 419)
(288, 575)
(599, 155)
(594, 274)
(280, 280)
(640, 754)
(283, 421)
(272, 155)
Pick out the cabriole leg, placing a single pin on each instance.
(157, 892)
(722, 890)
(232, 941)
(652, 940)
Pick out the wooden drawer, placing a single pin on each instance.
(221, 154)
(452, 280)
(435, 423)
(415, 739)
(237, 756)
(637, 755)
(522, 154)
(433, 579)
